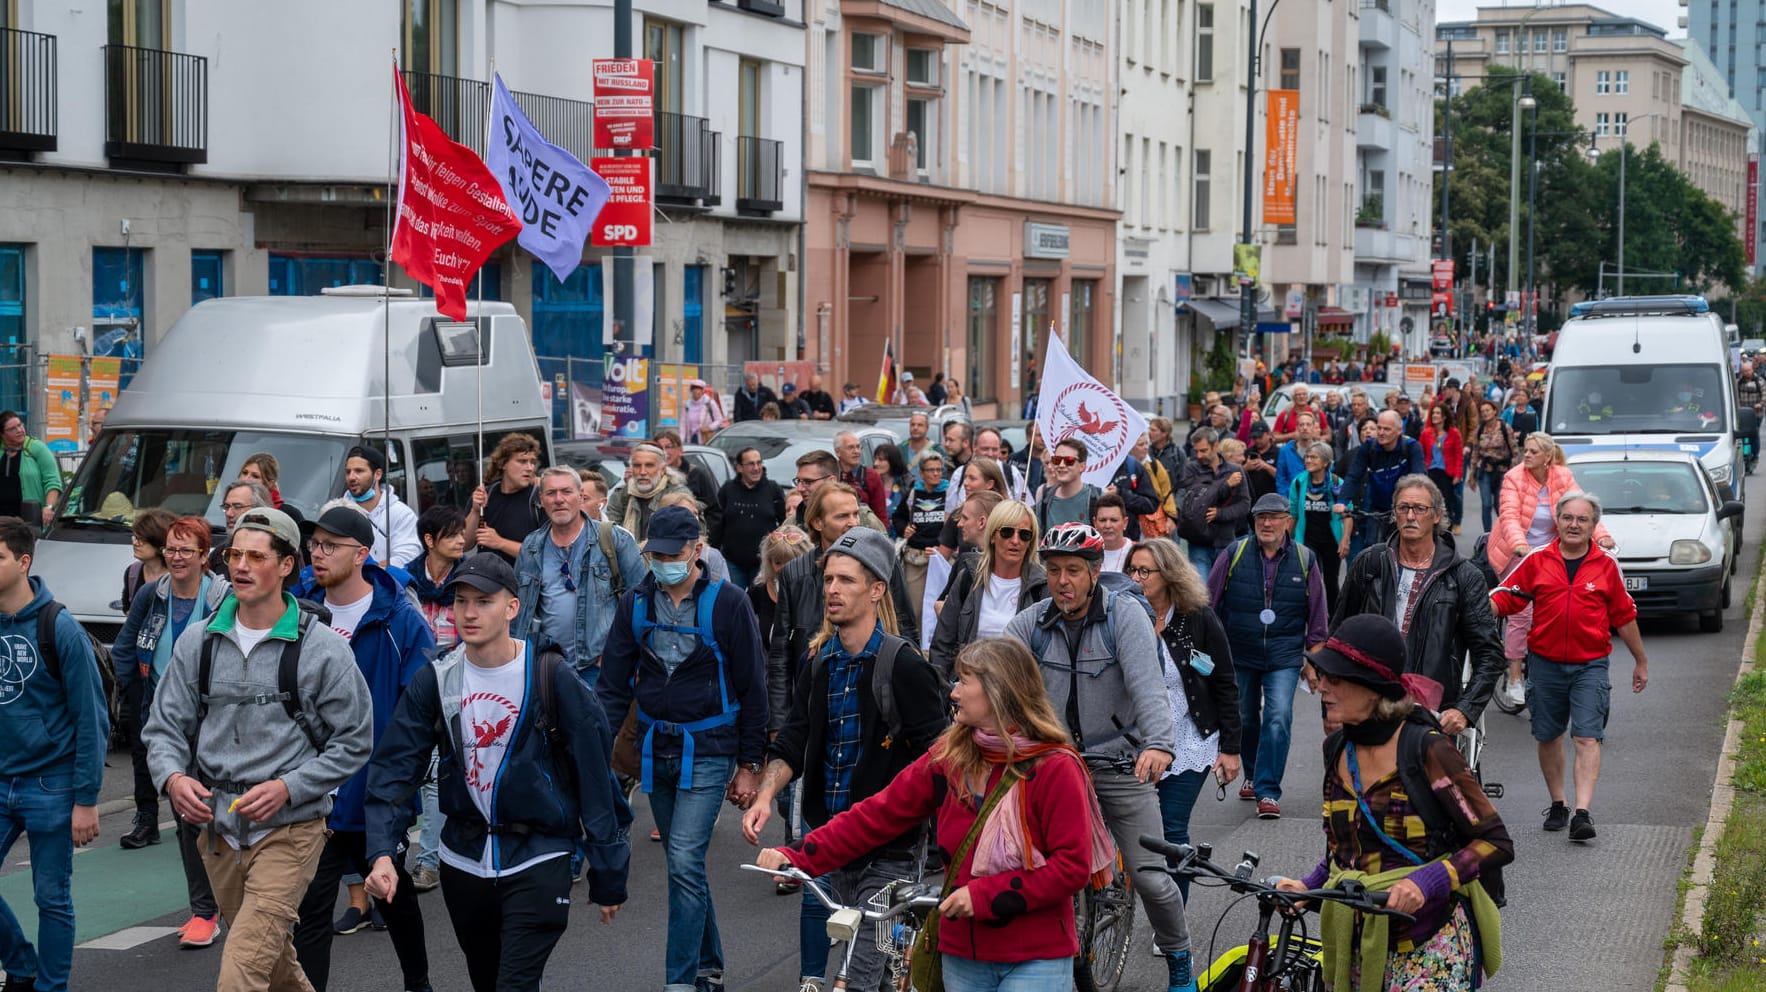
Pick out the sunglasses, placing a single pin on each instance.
(1024, 534)
(1063, 460)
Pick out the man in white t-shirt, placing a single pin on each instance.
(544, 780)
(1111, 521)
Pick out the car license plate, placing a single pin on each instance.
(1636, 583)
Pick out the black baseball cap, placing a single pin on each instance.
(485, 571)
(369, 454)
(347, 522)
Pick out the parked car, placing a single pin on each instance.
(782, 442)
(1669, 521)
(609, 456)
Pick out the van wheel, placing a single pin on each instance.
(1711, 623)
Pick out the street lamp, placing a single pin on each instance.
(1624, 154)
(1523, 102)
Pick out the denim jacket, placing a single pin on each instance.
(595, 602)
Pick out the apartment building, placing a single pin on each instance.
(1717, 135)
(1395, 125)
(961, 174)
(178, 150)
(1732, 37)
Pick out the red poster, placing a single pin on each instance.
(625, 105)
(1440, 305)
(1753, 208)
(625, 221)
(1441, 274)
(452, 214)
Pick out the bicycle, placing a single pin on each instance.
(1104, 918)
(897, 911)
(1292, 963)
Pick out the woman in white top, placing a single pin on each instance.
(1199, 681)
(1007, 578)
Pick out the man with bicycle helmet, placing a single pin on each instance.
(1099, 657)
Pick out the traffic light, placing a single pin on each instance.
(729, 283)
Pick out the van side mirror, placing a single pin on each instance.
(1730, 508)
(1747, 422)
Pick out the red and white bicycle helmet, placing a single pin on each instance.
(1075, 539)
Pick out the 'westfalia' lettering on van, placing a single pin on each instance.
(319, 416)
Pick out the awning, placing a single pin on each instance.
(1334, 316)
(1223, 313)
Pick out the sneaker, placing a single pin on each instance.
(709, 983)
(1247, 792)
(1581, 826)
(352, 920)
(655, 836)
(144, 832)
(1178, 968)
(809, 985)
(1556, 817)
(1269, 809)
(199, 932)
(1515, 693)
(375, 921)
(425, 878)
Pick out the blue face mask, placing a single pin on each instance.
(670, 573)
(367, 494)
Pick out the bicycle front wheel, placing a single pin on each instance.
(1104, 919)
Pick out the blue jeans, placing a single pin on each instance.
(1177, 798)
(740, 577)
(686, 817)
(429, 839)
(1044, 975)
(1202, 556)
(42, 808)
(850, 886)
(1266, 717)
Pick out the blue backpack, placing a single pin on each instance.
(1114, 586)
(642, 627)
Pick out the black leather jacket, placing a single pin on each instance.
(800, 615)
(962, 614)
(1452, 618)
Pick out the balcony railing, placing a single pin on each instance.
(460, 106)
(759, 175)
(27, 91)
(156, 105)
(569, 124)
(684, 170)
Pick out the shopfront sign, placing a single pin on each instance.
(1045, 240)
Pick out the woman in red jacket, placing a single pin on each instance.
(1008, 918)
(1444, 457)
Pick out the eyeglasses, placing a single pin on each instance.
(234, 556)
(1063, 460)
(803, 483)
(1139, 572)
(328, 548)
(1024, 534)
(236, 507)
(179, 552)
(1412, 509)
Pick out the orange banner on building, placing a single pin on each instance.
(1281, 144)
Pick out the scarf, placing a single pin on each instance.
(1006, 842)
(1343, 944)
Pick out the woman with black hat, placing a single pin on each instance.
(1403, 815)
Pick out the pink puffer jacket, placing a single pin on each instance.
(1520, 498)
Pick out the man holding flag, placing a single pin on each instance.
(1080, 418)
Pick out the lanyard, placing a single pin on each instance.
(1368, 815)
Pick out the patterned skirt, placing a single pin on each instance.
(1444, 964)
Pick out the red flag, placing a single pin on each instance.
(886, 378)
(452, 214)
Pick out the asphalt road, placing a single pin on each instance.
(1579, 917)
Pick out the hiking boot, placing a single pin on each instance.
(1178, 968)
(1556, 817)
(1269, 809)
(425, 878)
(1581, 826)
(144, 832)
(199, 932)
(352, 920)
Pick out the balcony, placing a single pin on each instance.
(27, 91)
(1378, 28)
(155, 107)
(1372, 212)
(686, 159)
(1377, 245)
(760, 175)
(460, 106)
(1373, 127)
(569, 124)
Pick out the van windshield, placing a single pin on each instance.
(182, 470)
(1637, 399)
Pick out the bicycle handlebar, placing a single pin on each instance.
(1191, 864)
(918, 898)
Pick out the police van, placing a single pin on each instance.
(300, 377)
(1649, 372)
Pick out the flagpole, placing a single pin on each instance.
(392, 151)
(478, 319)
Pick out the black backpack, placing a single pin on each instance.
(1413, 741)
(287, 678)
(107, 676)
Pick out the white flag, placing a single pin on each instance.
(557, 197)
(1072, 404)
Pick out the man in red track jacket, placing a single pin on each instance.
(1578, 597)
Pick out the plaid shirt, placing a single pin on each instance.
(845, 738)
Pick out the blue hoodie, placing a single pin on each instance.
(51, 728)
(391, 644)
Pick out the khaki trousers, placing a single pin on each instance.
(259, 890)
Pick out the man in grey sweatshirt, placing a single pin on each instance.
(1101, 666)
(252, 761)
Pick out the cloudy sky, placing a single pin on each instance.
(1662, 13)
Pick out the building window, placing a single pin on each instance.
(117, 301)
(1202, 172)
(1036, 324)
(1290, 68)
(666, 43)
(1621, 123)
(205, 276)
(1538, 40)
(1080, 309)
(921, 115)
(1559, 78)
(304, 275)
(1603, 83)
(983, 330)
(14, 363)
(1502, 42)
(1622, 81)
(1602, 125)
(1376, 88)
(1205, 43)
(431, 36)
(1560, 40)
(870, 53)
(864, 125)
(922, 67)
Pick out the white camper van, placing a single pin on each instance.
(301, 378)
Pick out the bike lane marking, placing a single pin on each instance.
(113, 889)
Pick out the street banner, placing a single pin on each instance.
(1247, 263)
(625, 103)
(1753, 206)
(1072, 404)
(625, 220)
(61, 426)
(1441, 274)
(452, 214)
(556, 196)
(1282, 139)
(625, 410)
(671, 393)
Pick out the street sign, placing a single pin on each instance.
(625, 221)
(625, 105)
